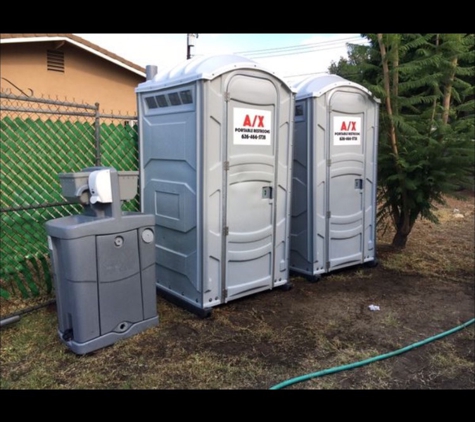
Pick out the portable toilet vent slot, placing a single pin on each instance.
(334, 176)
(215, 138)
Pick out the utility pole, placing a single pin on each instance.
(190, 43)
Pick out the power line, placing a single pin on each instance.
(299, 49)
(314, 50)
(300, 46)
(302, 75)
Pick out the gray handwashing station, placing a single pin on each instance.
(103, 261)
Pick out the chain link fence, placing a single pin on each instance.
(41, 138)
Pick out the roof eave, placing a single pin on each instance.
(77, 44)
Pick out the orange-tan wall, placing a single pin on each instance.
(87, 78)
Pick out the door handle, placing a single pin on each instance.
(358, 183)
(267, 192)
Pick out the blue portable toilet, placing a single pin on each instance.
(334, 181)
(215, 137)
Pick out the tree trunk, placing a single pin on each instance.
(448, 91)
(434, 106)
(387, 89)
(400, 240)
(403, 229)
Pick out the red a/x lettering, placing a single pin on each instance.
(247, 121)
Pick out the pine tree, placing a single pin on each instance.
(426, 141)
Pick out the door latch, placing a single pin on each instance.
(267, 192)
(358, 183)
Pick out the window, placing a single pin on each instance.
(151, 102)
(174, 98)
(162, 100)
(186, 97)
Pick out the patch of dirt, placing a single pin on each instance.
(417, 302)
(422, 293)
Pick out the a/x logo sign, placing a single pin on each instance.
(252, 126)
(256, 121)
(348, 126)
(346, 131)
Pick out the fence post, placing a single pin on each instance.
(97, 135)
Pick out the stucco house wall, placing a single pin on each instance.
(81, 76)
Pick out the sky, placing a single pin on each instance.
(288, 55)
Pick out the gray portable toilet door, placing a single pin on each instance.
(249, 215)
(346, 180)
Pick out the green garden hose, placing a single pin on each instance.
(367, 361)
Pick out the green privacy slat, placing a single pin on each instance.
(34, 149)
(46, 272)
(32, 273)
(19, 284)
(5, 294)
(9, 135)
